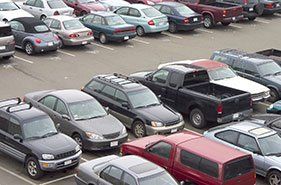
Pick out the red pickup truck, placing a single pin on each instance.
(190, 157)
(214, 12)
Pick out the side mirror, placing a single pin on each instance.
(126, 105)
(58, 126)
(24, 3)
(159, 96)
(18, 137)
(149, 78)
(257, 75)
(75, 4)
(66, 117)
(173, 85)
(106, 109)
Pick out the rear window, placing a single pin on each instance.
(5, 31)
(41, 28)
(151, 12)
(8, 6)
(238, 168)
(195, 78)
(56, 4)
(72, 24)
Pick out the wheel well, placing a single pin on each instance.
(74, 133)
(271, 170)
(137, 119)
(206, 13)
(43, 15)
(28, 156)
(194, 106)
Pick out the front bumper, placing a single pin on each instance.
(188, 27)
(165, 130)
(122, 37)
(248, 14)
(155, 29)
(78, 42)
(7, 53)
(259, 98)
(233, 19)
(105, 144)
(54, 165)
(44, 47)
(235, 117)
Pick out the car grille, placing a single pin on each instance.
(111, 136)
(65, 155)
(258, 96)
(172, 123)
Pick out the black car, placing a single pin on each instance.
(255, 67)
(251, 8)
(272, 121)
(30, 136)
(137, 107)
(271, 6)
(180, 17)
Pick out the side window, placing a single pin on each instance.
(88, 19)
(14, 127)
(105, 173)
(48, 22)
(248, 143)
(250, 68)
(161, 149)
(95, 86)
(237, 65)
(49, 102)
(191, 1)
(114, 176)
(123, 11)
(103, 22)
(4, 123)
(222, 59)
(209, 167)
(174, 79)
(190, 160)
(55, 25)
(134, 12)
(96, 20)
(30, 2)
(228, 136)
(160, 76)
(128, 179)
(157, 7)
(108, 91)
(15, 25)
(166, 10)
(71, 1)
(274, 124)
(120, 96)
(61, 108)
(39, 4)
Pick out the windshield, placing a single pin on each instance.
(270, 145)
(41, 28)
(184, 10)
(39, 128)
(86, 110)
(151, 12)
(143, 98)
(162, 178)
(269, 68)
(56, 4)
(115, 20)
(6, 6)
(72, 24)
(87, 1)
(221, 73)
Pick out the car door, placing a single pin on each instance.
(38, 8)
(56, 27)
(97, 25)
(123, 12)
(172, 90)
(87, 21)
(47, 104)
(29, 6)
(111, 175)
(134, 17)
(18, 32)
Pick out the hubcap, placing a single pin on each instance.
(140, 31)
(273, 95)
(78, 141)
(102, 38)
(196, 118)
(32, 168)
(274, 180)
(139, 130)
(172, 27)
(207, 22)
(28, 48)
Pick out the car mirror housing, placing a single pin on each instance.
(126, 105)
(66, 117)
(149, 78)
(18, 137)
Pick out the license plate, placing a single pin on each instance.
(84, 42)
(113, 143)
(2, 47)
(67, 162)
(251, 9)
(174, 130)
(50, 44)
(195, 19)
(236, 115)
(126, 38)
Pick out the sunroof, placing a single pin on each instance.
(260, 131)
(144, 167)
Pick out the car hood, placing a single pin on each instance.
(62, 144)
(114, 3)
(274, 78)
(159, 113)
(242, 84)
(9, 15)
(47, 37)
(95, 6)
(140, 75)
(142, 143)
(101, 126)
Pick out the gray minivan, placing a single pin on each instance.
(7, 41)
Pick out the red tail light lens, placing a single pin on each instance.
(151, 23)
(185, 21)
(57, 38)
(38, 41)
(73, 35)
(90, 33)
(224, 13)
(56, 13)
(219, 109)
(270, 6)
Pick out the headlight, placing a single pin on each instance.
(271, 106)
(48, 156)
(77, 148)
(267, 93)
(150, 3)
(93, 136)
(251, 9)
(156, 124)
(124, 131)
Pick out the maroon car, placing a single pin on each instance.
(83, 7)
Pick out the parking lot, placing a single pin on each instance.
(73, 67)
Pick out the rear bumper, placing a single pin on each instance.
(76, 42)
(188, 27)
(247, 14)
(165, 130)
(155, 29)
(236, 116)
(232, 19)
(121, 37)
(272, 11)
(44, 47)
(7, 53)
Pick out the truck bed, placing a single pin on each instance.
(220, 4)
(273, 54)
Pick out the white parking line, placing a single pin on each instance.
(262, 21)
(59, 179)
(236, 26)
(204, 30)
(66, 53)
(105, 47)
(141, 41)
(171, 35)
(25, 60)
(83, 159)
(16, 175)
(266, 104)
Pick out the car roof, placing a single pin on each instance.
(62, 17)
(171, 3)
(184, 68)
(181, 137)
(139, 6)
(71, 95)
(103, 13)
(209, 64)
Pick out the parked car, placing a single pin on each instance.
(215, 11)
(271, 7)
(10, 10)
(193, 159)
(108, 26)
(127, 170)
(45, 8)
(274, 108)
(180, 17)
(221, 74)
(84, 7)
(135, 105)
(7, 41)
(271, 120)
(114, 4)
(81, 117)
(28, 135)
(274, 54)
(146, 19)
(69, 30)
(147, 2)
(254, 67)
(189, 91)
(33, 35)
(263, 143)
(251, 8)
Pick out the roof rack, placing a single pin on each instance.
(20, 109)
(11, 99)
(117, 79)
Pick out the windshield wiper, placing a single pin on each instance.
(34, 137)
(277, 73)
(49, 134)
(141, 106)
(275, 154)
(153, 104)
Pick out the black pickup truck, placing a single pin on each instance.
(188, 90)
(274, 54)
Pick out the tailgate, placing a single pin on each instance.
(233, 11)
(236, 104)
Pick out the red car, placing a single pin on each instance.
(83, 7)
(190, 157)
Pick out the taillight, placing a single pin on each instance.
(12, 42)
(117, 31)
(57, 38)
(90, 33)
(185, 21)
(219, 109)
(270, 6)
(56, 13)
(151, 23)
(38, 41)
(251, 102)
(73, 35)
(224, 13)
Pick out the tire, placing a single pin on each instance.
(43, 17)
(259, 8)
(197, 118)
(138, 129)
(274, 96)
(78, 139)
(61, 43)
(29, 48)
(7, 57)
(208, 21)
(83, 13)
(33, 168)
(251, 18)
(225, 23)
(103, 38)
(140, 31)
(274, 177)
(172, 27)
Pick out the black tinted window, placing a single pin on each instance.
(14, 127)
(96, 86)
(228, 136)
(238, 168)
(195, 78)
(49, 101)
(161, 149)
(189, 159)
(4, 123)
(120, 96)
(61, 108)
(209, 167)
(5, 31)
(108, 91)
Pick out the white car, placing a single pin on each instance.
(10, 10)
(114, 4)
(45, 8)
(221, 74)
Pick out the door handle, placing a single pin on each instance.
(30, 7)
(40, 10)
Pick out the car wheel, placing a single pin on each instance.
(83, 13)
(78, 139)
(139, 129)
(43, 17)
(172, 27)
(273, 95)
(7, 57)
(197, 118)
(103, 38)
(208, 21)
(29, 48)
(33, 168)
(274, 178)
(140, 31)
(251, 18)
(61, 45)
(225, 23)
